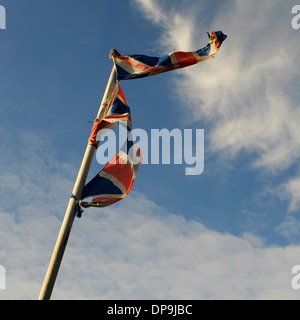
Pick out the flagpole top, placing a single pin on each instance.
(113, 53)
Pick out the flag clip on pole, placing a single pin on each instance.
(67, 223)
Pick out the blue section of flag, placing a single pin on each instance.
(120, 108)
(100, 185)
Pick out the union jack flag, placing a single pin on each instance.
(115, 180)
(139, 66)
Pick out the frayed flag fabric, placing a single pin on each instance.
(140, 66)
(115, 180)
(115, 111)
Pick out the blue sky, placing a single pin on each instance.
(231, 232)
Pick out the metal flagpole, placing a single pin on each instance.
(67, 223)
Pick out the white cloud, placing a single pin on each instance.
(149, 255)
(291, 191)
(132, 250)
(176, 26)
(153, 11)
(144, 253)
(289, 228)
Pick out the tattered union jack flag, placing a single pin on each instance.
(115, 111)
(139, 66)
(115, 180)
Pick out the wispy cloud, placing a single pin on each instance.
(244, 94)
(291, 191)
(289, 228)
(176, 26)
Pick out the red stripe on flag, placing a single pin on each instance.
(121, 171)
(118, 116)
(121, 94)
(185, 59)
(134, 63)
